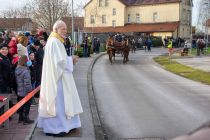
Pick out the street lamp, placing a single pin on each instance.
(191, 37)
(72, 21)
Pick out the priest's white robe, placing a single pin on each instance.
(59, 103)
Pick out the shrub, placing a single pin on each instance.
(157, 42)
(79, 51)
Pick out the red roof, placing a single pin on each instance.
(143, 2)
(208, 22)
(144, 28)
(78, 23)
(14, 23)
(147, 2)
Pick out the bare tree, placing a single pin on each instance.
(204, 14)
(79, 7)
(46, 12)
(22, 12)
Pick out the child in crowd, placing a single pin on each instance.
(6, 73)
(24, 86)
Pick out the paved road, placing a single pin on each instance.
(141, 99)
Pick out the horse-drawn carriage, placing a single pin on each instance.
(114, 47)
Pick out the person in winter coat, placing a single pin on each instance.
(6, 73)
(170, 48)
(21, 46)
(24, 86)
(5, 70)
(12, 47)
(39, 55)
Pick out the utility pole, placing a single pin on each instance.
(191, 36)
(207, 4)
(72, 22)
(207, 37)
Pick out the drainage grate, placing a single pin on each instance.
(145, 138)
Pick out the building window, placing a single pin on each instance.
(106, 3)
(92, 19)
(129, 18)
(137, 18)
(114, 11)
(113, 23)
(155, 16)
(100, 3)
(103, 19)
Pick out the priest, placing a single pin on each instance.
(59, 103)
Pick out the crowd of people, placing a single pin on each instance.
(21, 58)
(31, 59)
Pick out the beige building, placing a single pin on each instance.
(208, 25)
(154, 17)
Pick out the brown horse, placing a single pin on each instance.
(120, 47)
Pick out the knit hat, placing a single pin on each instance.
(3, 45)
(27, 34)
(37, 43)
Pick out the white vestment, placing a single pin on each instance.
(59, 100)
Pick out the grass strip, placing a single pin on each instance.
(182, 70)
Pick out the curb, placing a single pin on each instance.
(29, 136)
(99, 131)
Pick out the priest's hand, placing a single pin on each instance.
(75, 59)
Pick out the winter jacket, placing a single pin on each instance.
(23, 79)
(39, 55)
(5, 71)
(12, 47)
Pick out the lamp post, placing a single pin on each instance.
(206, 22)
(72, 22)
(191, 36)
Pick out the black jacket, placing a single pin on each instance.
(6, 73)
(39, 55)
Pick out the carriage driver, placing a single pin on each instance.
(118, 37)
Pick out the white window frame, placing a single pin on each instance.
(155, 16)
(100, 3)
(113, 23)
(106, 3)
(129, 18)
(92, 19)
(137, 18)
(114, 12)
(103, 19)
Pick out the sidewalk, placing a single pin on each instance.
(198, 62)
(90, 125)
(18, 131)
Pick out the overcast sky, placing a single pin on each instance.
(7, 4)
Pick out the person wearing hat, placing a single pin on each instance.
(21, 46)
(24, 86)
(5, 70)
(6, 73)
(39, 55)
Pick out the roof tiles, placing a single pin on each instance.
(144, 28)
(146, 2)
